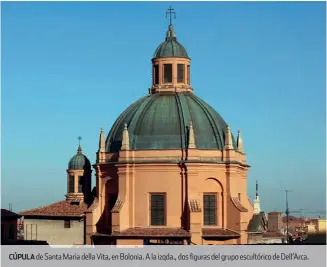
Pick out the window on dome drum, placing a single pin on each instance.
(158, 209)
(71, 184)
(156, 74)
(80, 184)
(210, 209)
(188, 75)
(67, 224)
(168, 73)
(180, 73)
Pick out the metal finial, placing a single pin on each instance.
(171, 12)
(79, 140)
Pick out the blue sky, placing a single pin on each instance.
(69, 68)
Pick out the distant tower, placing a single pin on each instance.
(256, 203)
(79, 178)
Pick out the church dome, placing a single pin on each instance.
(170, 47)
(160, 121)
(79, 161)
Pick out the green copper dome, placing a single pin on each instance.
(170, 47)
(79, 161)
(160, 121)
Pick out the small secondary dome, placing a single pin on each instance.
(170, 47)
(79, 161)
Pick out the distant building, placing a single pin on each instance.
(8, 225)
(63, 222)
(257, 227)
(256, 203)
(275, 221)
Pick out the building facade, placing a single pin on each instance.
(169, 171)
(63, 222)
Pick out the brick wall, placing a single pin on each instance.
(54, 231)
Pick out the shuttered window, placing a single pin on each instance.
(71, 184)
(210, 209)
(180, 73)
(80, 184)
(157, 209)
(168, 73)
(156, 74)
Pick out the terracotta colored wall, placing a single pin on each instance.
(134, 184)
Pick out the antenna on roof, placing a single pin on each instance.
(10, 206)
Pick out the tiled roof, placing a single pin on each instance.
(194, 205)
(207, 232)
(238, 204)
(153, 232)
(273, 234)
(9, 214)
(61, 208)
(118, 206)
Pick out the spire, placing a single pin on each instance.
(191, 139)
(101, 141)
(228, 139)
(239, 142)
(125, 140)
(170, 33)
(256, 203)
(79, 150)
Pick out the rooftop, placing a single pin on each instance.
(60, 209)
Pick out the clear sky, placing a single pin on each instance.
(69, 68)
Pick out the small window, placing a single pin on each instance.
(180, 73)
(239, 196)
(210, 209)
(71, 184)
(11, 231)
(188, 75)
(80, 184)
(168, 73)
(157, 209)
(156, 74)
(67, 224)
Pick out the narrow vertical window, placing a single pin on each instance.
(80, 184)
(210, 209)
(180, 73)
(156, 74)
(239, 196)
(71, 184)
(11, 231)
(157, 209)
(67, 224)
(168, 73)
(188, 75)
